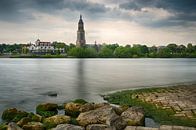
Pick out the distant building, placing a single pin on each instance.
(81, 42)
(43, 48)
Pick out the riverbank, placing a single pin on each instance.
(80, 115)
(166, 105)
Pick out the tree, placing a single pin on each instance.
(80, 52)
(123, 52)
(172, 48)
(105, 52)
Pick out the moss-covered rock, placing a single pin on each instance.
(33, 126)
(23, 121)
(72, 109)
(53, 121)
(47, 109)
(35, 117)
(13, 114)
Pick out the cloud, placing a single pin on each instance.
(13, 10)
(180, 12)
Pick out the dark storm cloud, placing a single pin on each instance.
(184, 10)
(22, 10)
(11, 10)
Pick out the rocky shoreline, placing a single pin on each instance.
(79, 115)
(177, 102)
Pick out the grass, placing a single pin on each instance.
(160, 115)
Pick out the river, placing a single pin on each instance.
(26, 82)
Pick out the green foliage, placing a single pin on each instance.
(81, 52)
(105, 52)
(123, 52)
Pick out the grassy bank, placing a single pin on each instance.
(159, 114)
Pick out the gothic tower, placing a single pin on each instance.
(80, 34)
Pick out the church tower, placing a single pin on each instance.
(80, 34)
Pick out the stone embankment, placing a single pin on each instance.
(181, 99)
(79, 115)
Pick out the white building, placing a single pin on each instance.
(44, 47)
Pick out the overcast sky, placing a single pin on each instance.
(150, 22)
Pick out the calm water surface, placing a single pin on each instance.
(26, 82)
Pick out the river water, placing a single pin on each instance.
(26, 82)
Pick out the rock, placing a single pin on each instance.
(99, 105)
(97, 116)
(139, 128)
(130, 128)
(87, 107)
(68, 127)
(13, 114)
(120, 110)
(116, 122)
(134, 116)
(53, 121)
(72, 109)
(98, 127)
(35, 117)
(47, 109)
(33, 126)
(13, 126)
(23, 121)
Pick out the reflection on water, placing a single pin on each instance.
(26, 82)
(80, 76)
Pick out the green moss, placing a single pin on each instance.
(47, 113)
(3, 126)
(13, 115)
(47, 110)
(72, 113)
(35, 117)
(73, 121)
(80, 101)
(163, 116)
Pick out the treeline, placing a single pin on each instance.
(135, 51)
(113, 50)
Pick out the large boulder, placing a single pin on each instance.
(134, 116)
(68, 127)
(97, 116)
(53, 121)
(47, 109)
(33, 126)
(98, 127)
(13, 114)
(13, 126)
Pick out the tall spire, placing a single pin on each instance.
(80, 42)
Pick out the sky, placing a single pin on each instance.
(150, 22)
